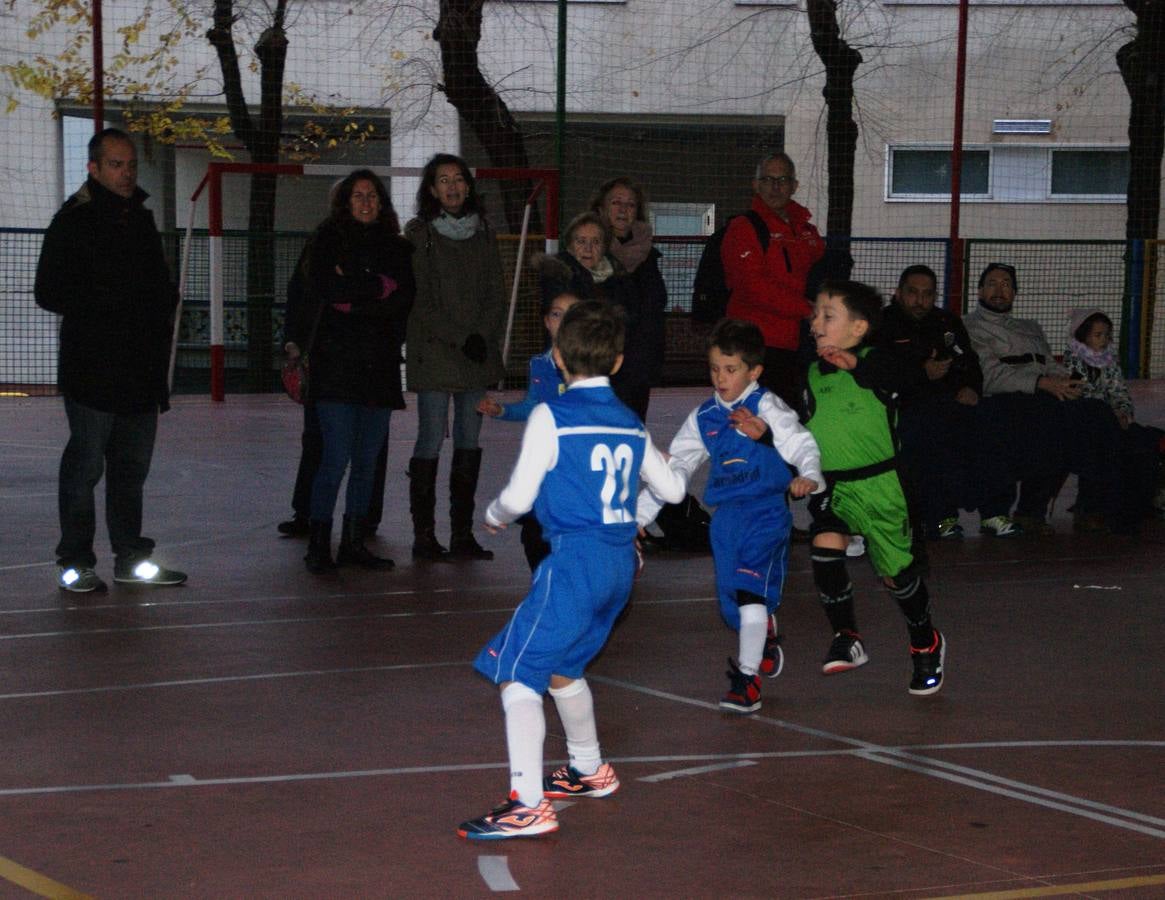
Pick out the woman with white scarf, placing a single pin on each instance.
(453, 348)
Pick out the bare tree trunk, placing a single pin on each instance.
(458, 33)
(262, 142)
(841, 131)
(1142, 67)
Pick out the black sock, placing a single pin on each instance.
(834, 588)
(914, 601)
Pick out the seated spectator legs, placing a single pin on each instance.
(1091, 438)
(993, 457)
(1032, 428)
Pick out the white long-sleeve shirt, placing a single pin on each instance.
(688, 452)
(539, 454)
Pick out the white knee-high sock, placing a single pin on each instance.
(576, 708)
(525, 734)
(754, 626)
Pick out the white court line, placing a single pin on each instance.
(190, 781)
(698, 770)
(495, 872)
(973, 778)
(226, 679)
(220, 601)
(250, 623)
(1019, 795)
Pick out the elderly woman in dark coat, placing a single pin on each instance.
(360, 288)
(586, 268)
(622, 205)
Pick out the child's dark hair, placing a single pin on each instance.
(735, 337)
(862, 301)
(1081, 332)
(590, 338)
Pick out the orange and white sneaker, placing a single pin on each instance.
(567, 781)
(511, 820)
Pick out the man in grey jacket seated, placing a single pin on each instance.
(1039, 404)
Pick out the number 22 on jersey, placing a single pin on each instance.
(616, 465)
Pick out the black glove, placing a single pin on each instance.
(475, 348)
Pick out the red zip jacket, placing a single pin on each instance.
(769, 289)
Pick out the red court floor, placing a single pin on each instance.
(262, 733)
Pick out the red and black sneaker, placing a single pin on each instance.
(772, 661)
(928, 666)
(743, 695)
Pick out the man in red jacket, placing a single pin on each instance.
(768, 286)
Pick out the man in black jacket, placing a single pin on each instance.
(947, 444)
(102, 270)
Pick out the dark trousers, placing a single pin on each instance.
(952, 454)
(120, 447)
(1050, 438)
(311, 450)
(352, 434)
(784, 375)
(634, 393)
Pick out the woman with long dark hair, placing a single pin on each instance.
(360, 290)
(454, 347)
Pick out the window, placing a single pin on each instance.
(1009, 173)
(1090, 173)
(927, 173)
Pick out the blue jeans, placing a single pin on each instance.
(433, 418)
(120, 447)
(352, 433)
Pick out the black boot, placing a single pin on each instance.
(296, 526)
(353, 552)
(462, 487)
(319, 548)
(422, 504)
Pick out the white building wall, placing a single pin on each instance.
(646, 57)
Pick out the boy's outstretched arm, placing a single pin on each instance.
(664, 482)
(687, 454)
(795, 443)
(538, 456)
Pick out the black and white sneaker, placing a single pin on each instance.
(928, 666)
(845, 653)
(147, 572)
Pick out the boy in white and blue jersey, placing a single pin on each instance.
(544, 383)
(750, 437)
(582, 458)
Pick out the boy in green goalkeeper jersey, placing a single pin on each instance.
(850, 403)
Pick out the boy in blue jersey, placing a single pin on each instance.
(751, 438)
(851, 408)
(579, 468)
(544, 383)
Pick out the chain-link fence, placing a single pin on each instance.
(1054, 278)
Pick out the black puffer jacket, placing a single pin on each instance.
(102, 269)
(356, 354)
(564, 273)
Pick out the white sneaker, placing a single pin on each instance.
(856, 547)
